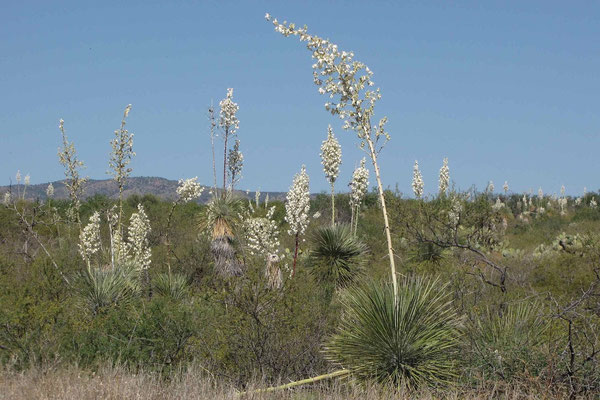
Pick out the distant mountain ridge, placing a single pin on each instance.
(141, 185)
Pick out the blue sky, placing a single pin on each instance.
(505, 90)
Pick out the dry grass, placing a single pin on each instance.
(117, 383)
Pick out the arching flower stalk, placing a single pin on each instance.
(74, 183)
(417, 183)
(297, 206)
(229, 124)
(235, 163)
(444, 178)
(358, 190)
(331, 158)
(120, 157)
(348, 84)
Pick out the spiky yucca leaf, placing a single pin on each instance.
(173, 286)
(102, 287)
(408, 341)
(337, 256)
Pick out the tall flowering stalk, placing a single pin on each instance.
(297, 206)
(74, 182)
(138, 231)
(348, 83)
(444, 178)
(505, 187)
(358, 189)
(235, 163)
(89, 239)
(417, 183)
(331, 158)
(229, 124)
(120, 157)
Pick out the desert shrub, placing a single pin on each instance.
(254, 331)
(507, 342)
(408, 340)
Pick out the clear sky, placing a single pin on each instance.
(505, 90)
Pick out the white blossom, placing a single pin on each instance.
(540, 193)
(505, 187)
(18, 177)
(27, 180)
(498, 204)
(89, 238)
(7, 199)
(490, 187)
(189, 189)
(578, 201)
(235, 163)
(331, 156)
(455, 211)
(139, 229)
(50, 190)
(444, 177)
(297, 203)
(562, 190)
(359, 184)
(262, 234)
(593, 203)
(122, 153)
(417, 182)
(316, 215)
(228, 119)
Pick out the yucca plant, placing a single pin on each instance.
(103, 287)
(221, 218)
(407, 340)
(337, 256)
(508, 341)
(174, 286)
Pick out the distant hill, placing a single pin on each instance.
(160, 187)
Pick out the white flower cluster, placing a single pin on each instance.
(27, 180)
(540, 194)
(118, 247)
(593, 203)
(339, 75)
(235, 163)
(7, 199)
(498, 205)
(228, 119)
(562, 204)
(18, 177)
(139, 229)
(262, 235)
(444, 177)
(505, 187)
(331, 156)
(417, 183)
(50, 190)
(359, 184)
(89, 238)
(189, 189)
(122, 152)
(297, 203)
(490, 187)
(455, 210)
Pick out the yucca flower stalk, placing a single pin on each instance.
(505, 187)
(331, 158)
(18, 179)
(229, 124)
(74, 182)
(348, 83)
(444, 178)
(235, 163)
(89, 239)
(138, 231)
(490, 187)
(120, 157)
(26, 183)
(297, 206)
(358, 190)
(417, 182)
